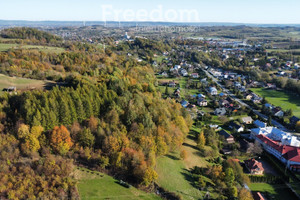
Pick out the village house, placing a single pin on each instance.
(260, 124)
(294, 120)
(256, 98)
(248, 96)
(204, 81)
(228, 137)
(247, 120)
(222, 94)
(195, 75)
(184, 72)
(223, 102)
(235, 126)
(257, 196)
(213, 126)
(184, 103)
(254, 167)
(177, 67)
(213, 91)
(277, 112)
(164, 74)
(220, 111)
(237, 84)
(202, 102)
(172, 84)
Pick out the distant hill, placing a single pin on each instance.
(14, 23)
(27, 33)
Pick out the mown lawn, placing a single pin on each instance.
(280, 98)
(5, 47)
(92, 186)
(278, 191)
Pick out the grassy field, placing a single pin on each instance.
(20, 83)
(94, 186)
(278, 192)
(173, 176)
(193, 155)
(280, 98)
(5, 47)
(283, 50)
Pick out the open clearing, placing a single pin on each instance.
(94, 185)
(21, 83)
(46, 49)
(280, 98)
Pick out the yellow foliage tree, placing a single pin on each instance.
(60, 140)
(149, 176)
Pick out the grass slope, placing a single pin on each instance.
(173, 176)
(93, 185)
(280, 98)
(194, 157)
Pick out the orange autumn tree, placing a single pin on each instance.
(60, 139)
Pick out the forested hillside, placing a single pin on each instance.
(108, 116)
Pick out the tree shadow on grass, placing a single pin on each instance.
(200, 154)
(191, 146)
(188, 176)
(172, 157)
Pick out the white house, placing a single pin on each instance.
(202, 102)
(213, 91)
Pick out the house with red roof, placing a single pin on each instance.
(257, 196)
(254, 166)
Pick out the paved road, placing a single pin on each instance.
(274, 122)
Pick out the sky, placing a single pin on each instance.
(239, 11)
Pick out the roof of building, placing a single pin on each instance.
(184, 103)
(293, 155)
(212, 89)
(253, 164)
(294, 119)
(247, 119)
(225, 134)
(259, 123)
(288, 152)
(257, 196)
(234, 125)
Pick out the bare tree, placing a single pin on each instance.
(257, 148)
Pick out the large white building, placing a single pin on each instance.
(282, 145)
(277, 135)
